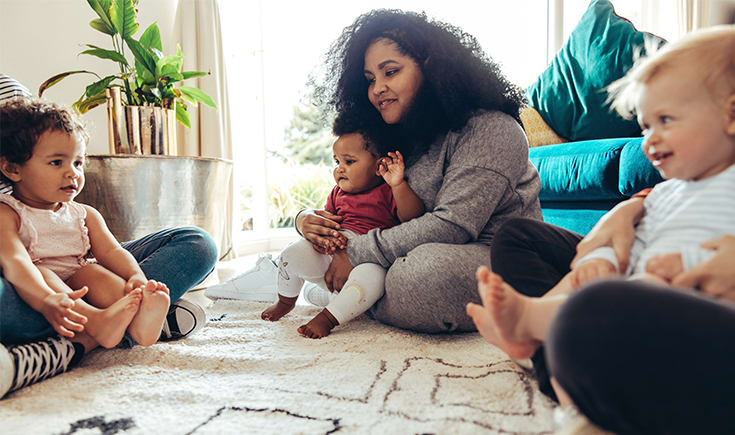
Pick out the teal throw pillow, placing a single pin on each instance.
(570, 94)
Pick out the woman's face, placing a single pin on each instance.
(394, 80)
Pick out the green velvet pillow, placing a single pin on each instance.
(570, 94)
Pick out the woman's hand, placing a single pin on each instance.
(321, 229)
(57, 309)
(338, 271)
(615, 229)
(715, 276)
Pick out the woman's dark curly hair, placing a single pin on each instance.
(24, 120)
(459, 77)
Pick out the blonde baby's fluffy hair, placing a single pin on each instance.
(710, 51)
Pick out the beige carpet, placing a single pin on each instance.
(243, 375)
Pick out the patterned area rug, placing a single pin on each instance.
(243, 375)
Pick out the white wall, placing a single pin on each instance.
(41, 38)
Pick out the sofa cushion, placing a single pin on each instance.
(570, 94)
(595, 170)
(537, 131)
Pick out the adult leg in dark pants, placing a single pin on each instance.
(638, 358)
(532, 257)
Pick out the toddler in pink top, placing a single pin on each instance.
(47, 240)
(371, 192)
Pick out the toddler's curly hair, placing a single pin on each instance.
(24, 120)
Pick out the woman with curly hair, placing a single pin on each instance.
(427, 89)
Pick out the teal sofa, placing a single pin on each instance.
(581, 181)
(601, 163)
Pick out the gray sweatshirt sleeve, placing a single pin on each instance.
(481, 166)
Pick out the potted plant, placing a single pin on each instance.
(142, 98)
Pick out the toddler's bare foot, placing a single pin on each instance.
(147, 324)
(279, 309)
(319, 326)
(507, 309)
(108, 326)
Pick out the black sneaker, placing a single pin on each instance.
(184, 318)
(34, 362)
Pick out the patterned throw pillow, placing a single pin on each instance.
(538, 132)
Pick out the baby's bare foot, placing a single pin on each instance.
(507, 310)
(279, 309)
(319, 326)
(108, 326)
(148, 322)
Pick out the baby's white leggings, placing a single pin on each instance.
(299, 262)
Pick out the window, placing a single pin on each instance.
(272, 47)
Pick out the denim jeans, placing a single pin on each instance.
(179, 257)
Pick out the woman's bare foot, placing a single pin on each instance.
(501, 318)
(319, 326)
(108, 326)
(147, 324)
(279, 309)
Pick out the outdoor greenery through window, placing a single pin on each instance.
(282, 144)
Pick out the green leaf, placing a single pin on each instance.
(106, 54)
(98, 24)
(122, 15)
(85, 104)
(57, 78)
(168, 64)
(172, 76)
(99, 86)
(181, 115)
(192, 74)
(151, 37)
(194, 95)
(102, 8)
(142, 55)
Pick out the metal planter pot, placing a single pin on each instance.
(138, 195)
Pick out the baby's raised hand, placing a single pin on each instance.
(665, 266)
(57, 309)
(589, 270)
(391, 168)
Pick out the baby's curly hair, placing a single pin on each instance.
(24, 120)
(375, 145)
(459, 77)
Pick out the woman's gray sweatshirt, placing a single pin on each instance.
(470, 182)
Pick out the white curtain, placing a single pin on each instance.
(692, 15)
(198, 28)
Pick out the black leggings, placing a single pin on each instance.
(634, 357)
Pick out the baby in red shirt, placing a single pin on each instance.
(371, 192)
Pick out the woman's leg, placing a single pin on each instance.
(19, 323)
(533, 256)
(637, 358)
(427, 290)
(178, 257)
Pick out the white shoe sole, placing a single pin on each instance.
(265, 294)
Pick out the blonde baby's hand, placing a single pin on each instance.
(590, 270)
(58, 311)
(391, 168)
(665, 266)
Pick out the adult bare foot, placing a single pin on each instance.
(279, 309)
(480, 314)
(319, 326)
(148, 322)
(507, 309)
(108, 326)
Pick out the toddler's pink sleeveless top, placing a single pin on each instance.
(55, 239)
